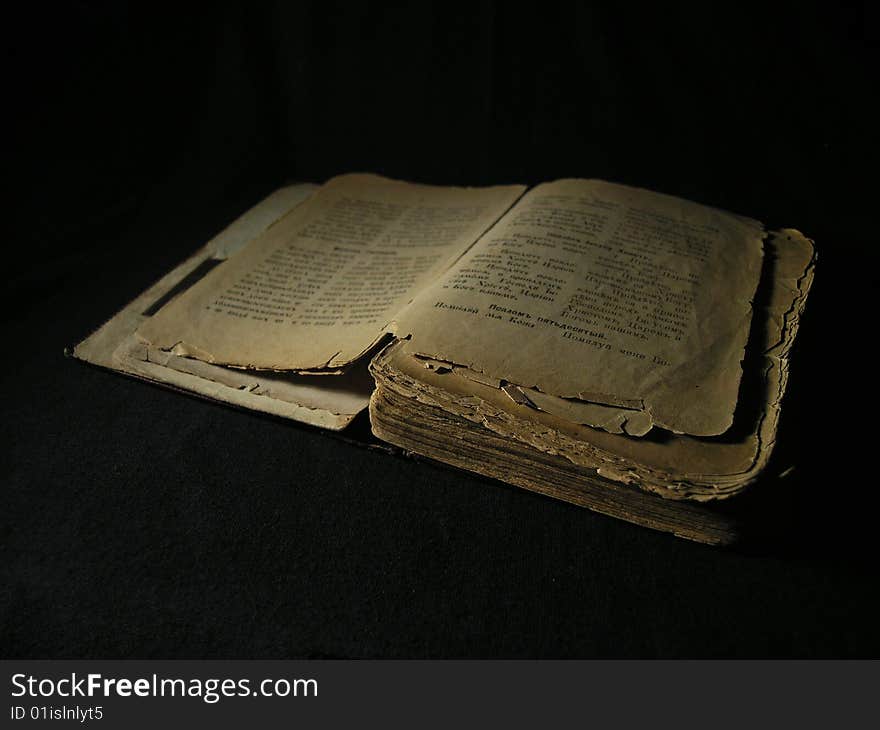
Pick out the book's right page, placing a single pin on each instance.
(602, 294)
(679, 467)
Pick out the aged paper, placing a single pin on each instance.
(674, 466)
(602, 293)
(330, 403)
(321, 286)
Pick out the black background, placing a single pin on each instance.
(139, 523)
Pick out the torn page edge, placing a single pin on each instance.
(130, 355)
(241, 398)
(609, 417)
(698, 487)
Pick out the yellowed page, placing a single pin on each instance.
(604, 293)
(330, 403)
(677, 467)
(322, 285)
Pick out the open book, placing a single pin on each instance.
(613, 347)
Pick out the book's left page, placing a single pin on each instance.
(322, 285)
(329, 403)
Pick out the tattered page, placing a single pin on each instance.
(330, 403)
(674, 466)
(603, 294)
(321, 286)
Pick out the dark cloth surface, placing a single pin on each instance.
(137, 522)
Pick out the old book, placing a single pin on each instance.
(616, 348)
